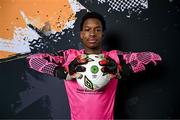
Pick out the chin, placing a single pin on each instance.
(92, 47)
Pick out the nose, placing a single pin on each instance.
(92, 32)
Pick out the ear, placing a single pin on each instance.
(81, 34)
(103, 35)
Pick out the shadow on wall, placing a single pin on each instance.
(128, 95)
(112, 40)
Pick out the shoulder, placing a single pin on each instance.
(112, 54)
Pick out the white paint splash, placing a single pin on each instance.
(76, 7)
(19, 43)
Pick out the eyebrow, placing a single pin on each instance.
(95, 27)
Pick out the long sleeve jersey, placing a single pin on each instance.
(86, 104)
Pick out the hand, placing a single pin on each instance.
(109, 65)
(75, 65)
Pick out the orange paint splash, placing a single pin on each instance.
(5, 54)
(57, 12)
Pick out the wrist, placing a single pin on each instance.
(60, 72)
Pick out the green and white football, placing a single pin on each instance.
(93, 78)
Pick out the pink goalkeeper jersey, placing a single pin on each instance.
(90, 105)
(84, 104)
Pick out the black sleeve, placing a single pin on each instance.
(60, 73)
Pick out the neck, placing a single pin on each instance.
(93, 51)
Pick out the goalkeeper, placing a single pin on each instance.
(91, 104)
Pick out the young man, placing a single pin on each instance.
(91, 104)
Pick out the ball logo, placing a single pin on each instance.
(88, 83)
(94, 69)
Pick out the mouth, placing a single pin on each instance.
(92, 40)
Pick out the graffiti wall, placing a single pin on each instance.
(36, 26)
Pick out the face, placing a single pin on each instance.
(92, 34)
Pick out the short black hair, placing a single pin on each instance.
(93, 15)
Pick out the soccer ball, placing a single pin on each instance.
(93, 78)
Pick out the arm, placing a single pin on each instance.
(137, 61)
(47, 63)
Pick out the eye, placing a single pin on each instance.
(99, 30)
(86, 29)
